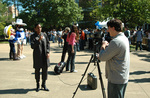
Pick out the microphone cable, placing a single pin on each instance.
(75, 83)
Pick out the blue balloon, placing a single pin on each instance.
(98, 25)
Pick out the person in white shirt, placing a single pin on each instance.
(27, 36)
(60, 40)
(139, 35)
(54, 35)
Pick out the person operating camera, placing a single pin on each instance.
(117, 57)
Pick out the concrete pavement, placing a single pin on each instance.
(17, 77)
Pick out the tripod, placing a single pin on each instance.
(93, 58)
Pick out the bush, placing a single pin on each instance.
(2, 26)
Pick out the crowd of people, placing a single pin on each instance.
(137, 36)
(86, 37)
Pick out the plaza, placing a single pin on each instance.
(17, 77)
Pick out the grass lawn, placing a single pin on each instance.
(132, 47)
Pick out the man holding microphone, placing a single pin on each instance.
(41, 48)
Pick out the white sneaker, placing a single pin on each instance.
(75, 71)
(23, 56)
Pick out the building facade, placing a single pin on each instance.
(12, 9)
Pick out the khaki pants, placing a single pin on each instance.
(18, 50)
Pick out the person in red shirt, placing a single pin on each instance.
(82, 40)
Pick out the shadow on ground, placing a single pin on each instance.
(85, 88)
(51, 73)
(57, 49)
(140, 80)
(145, 57)
(143, 80)
(16, 91)
(53, 64)
(4, 59)
(84, 55)
(81, 63)
(139, 72)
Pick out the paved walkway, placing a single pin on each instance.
(17, 77)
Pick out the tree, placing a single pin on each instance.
(131, 12)
(51, 13)
(66, 11)
(5, 16)
(88, 6)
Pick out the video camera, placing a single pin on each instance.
(97, 41)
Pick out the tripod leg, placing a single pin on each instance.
(83, 76)
(101, 81)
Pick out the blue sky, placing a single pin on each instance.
(19, 7)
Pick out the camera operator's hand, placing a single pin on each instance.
(104, 44)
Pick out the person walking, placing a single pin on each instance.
(41, 48)
(139, 35)
(65, 47)
(54, 35)
(60, 40)
(71, 39)
(127, 34)
(117, 57)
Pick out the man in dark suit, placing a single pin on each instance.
(41, 48)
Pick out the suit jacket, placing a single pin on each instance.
(36, 45)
